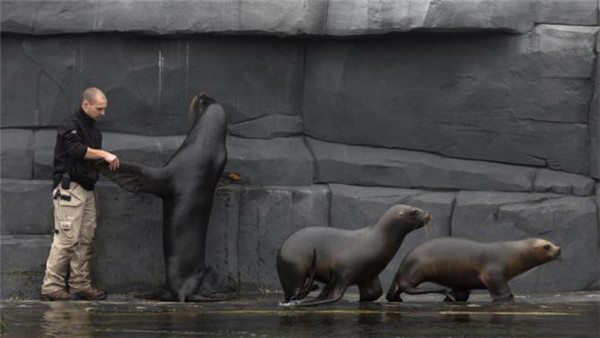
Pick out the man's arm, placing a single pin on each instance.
(99, 154)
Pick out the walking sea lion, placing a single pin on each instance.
(186, 184)
(463, 265)
(340, 258)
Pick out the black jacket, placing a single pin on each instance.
(76, 133)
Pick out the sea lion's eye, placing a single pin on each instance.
(414, 212)
(547, 247)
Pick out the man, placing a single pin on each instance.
(78, 146)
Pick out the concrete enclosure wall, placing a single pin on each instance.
(485, 113)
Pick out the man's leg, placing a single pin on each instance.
(68, 212)
(80, 280)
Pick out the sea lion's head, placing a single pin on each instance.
(199, 103)
(408, 217)
(544, 250)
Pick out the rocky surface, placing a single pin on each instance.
(150, 82)
(16, 149)
(370, 166)
(563, 183)
(291, 17)
(268, 127)
(26, 207)
(535, 87)
(23, 260)
(293, 161)
(313, 17)
(572, 12)
(595, 121)
(509, 95)
(281, 161)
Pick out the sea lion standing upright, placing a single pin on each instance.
(340, 258)
(463, 265)
(186, 184)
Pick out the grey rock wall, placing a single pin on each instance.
(411, 169)
(290, 17)
(595, 120)
(493, 98)
(485, 113)
(315, 17)
(149, 82)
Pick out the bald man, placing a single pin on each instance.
(78, 146)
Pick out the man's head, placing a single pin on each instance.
(94, 103)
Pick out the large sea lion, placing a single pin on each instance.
(463, 265)
(340, 258)
(186, 184)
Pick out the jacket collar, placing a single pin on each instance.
(82, 116)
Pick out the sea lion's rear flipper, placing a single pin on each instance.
(422, 291)
(162, 294)
(212, 297)
(136, 177)
(458, 296)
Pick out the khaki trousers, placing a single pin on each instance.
(72, 249)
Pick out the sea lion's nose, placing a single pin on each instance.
(427, 217)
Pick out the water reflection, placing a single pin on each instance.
(61, 319)
(235, 319)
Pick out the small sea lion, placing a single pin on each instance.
(340, 258)
(463, 265)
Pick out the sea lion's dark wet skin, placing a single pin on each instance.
(340, 258)
(463, 265)
(186, 184)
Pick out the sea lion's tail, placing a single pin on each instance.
(135, 177)
(308, 285)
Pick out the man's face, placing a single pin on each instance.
(96, 108)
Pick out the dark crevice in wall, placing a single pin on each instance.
(329, 197)
(146, 34)
(432, 153)
(237, 241)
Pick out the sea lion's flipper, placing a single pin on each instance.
(496, 285)
(457, 296)
(331, 293)
(422, 291)
(393, 294)
(162, 295)
(308, 284)
(136, 177)
(370, 290)
(499, 290)
(213, 297)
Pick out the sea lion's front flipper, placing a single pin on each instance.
(331, 293)
(370, 290)
(136, 177)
